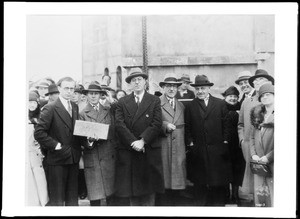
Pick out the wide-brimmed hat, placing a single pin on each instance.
(201, 80)
(95, 88)
(260, 73)
(265, 88)
(232, 90)
(135, 72)
(186, 78)
(105, 87)
(170, 78)
(244, 75)
(52, 89)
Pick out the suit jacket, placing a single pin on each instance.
(208, 128)
(173, 147)
(138, 173)
(56, 126)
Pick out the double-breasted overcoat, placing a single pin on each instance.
(207, 128)
(138, 173)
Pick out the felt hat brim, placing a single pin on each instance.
(94, 90)
(128, 79)
(161, 84)
(203, 84)
(269, 77)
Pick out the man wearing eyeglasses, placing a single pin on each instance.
(55, 132)
(138, 124)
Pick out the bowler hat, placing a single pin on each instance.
(52, 89)
(33, 96)
(260, 73)
(94, 88)
(186, 78)
(170, 78)
(265, 88)
(244, 75)
(201, 80)
(232, 90)
(135, 72)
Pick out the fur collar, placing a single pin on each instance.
(257, 114)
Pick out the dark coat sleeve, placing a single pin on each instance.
(41, 133)
(225, 122)
(153, 130)
(188, 129)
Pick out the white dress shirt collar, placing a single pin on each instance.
(64, 102)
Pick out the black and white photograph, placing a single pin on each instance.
(150, 109)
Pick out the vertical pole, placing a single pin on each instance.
(144, 41)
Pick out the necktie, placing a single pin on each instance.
(96, 107)
(69, 108)
(137, 100)
(171, 103)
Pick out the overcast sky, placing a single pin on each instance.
(53, 47)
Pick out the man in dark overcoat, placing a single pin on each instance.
(207, 135)
(138, 116)
(55, 132)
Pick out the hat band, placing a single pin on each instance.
(170, 79)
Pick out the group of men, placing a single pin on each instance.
(154, 134)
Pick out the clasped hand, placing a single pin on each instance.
(171, 127)
(138, 145)
(262, 159)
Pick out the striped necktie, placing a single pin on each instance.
(69, 108)
(171, 101)
(137, 100)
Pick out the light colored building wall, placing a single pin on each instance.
(216, 45)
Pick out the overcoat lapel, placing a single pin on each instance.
(210, 106)
(131, 106)
(63, 113)
(103, 113)
(146, 102)
(90, 112)
(178, 110)
(167, 107)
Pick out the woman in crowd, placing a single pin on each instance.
(231, 96)
(37, 193)
(120, 93)
(262, 143)
(99, 155)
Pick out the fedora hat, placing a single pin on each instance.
(52, 89)
(170, 78)
(186, 78)
(260, 73)
(42, 84)
(94, 88)
(265, 88)
(135, 72)
(244, 75)
(201, 80)
(232, 90)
